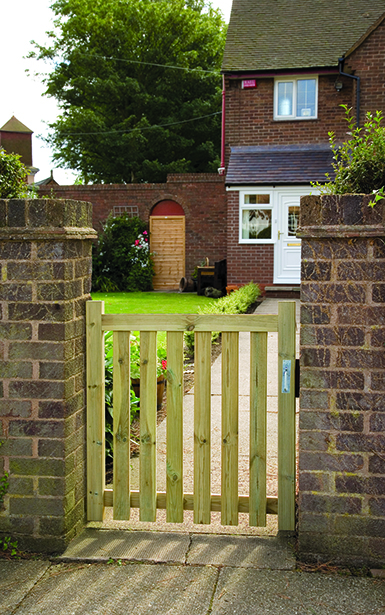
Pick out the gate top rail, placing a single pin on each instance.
(189, 322)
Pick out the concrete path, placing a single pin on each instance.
(213, 575)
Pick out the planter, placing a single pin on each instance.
(187, 285)
(159, 389)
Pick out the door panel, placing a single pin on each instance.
(287, 258)
(167, 245)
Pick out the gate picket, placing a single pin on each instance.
(202, 427)
(121, 409)
(258, 429)
(174, 426)
(147, 460)
(230, 385)
(95, 412)
(286, 418)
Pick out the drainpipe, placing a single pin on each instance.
(340, 65)
(222, 169)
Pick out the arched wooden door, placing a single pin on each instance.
(167, 244)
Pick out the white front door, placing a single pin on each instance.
(287, 251)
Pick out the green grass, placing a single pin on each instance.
(152, 303)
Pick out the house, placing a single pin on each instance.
(288, 67)
(16, 138)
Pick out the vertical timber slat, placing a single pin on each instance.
(202, 428)
(258, 429)
(174, 461)
(95, 412)
(121, 406)
(230, 386)
(286, 418)
(147, 461)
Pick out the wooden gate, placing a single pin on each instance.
(167, 244)
(174, 500)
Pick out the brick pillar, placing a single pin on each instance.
(342, 407)
(45, 259)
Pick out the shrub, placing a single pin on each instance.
(122, 260)
(12, 177)
(237, 302)
(359, 163)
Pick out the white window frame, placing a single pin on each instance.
(294, 80)
(246, 206)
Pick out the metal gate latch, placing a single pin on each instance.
(286, 376)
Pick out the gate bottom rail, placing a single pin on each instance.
(188, 502)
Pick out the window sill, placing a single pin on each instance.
(294, 119)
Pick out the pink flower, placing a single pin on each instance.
(164, 364)
(145, 233)
(137, 242)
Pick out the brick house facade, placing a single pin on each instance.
(271, 152)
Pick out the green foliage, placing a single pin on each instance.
(10, 547)
(122, 259)
(135, 373)
(129, 77)
(109, 414)
(4, 485)
(237, 302)
(12, 177)
(359, 163)
(161, 364)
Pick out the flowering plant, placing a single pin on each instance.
(122, 259)
(142, 241)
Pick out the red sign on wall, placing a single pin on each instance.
(249, 83)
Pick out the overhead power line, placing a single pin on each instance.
(110, 132)
(191, 70)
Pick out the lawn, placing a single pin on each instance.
(151, 303)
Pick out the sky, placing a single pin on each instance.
(21, 95)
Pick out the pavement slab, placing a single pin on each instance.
(90, 589)
(16, 579)
(242, 552)
(102, 545)
(260, 592)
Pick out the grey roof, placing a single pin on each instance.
(290, 164)
(285, 34)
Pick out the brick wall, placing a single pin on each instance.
(342, 411)
(202, 196)
(249, 115)
(246, 262)
(45, 281)
(368, 63)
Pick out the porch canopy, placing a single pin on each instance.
(279, 164)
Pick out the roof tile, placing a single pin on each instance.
(287, 34)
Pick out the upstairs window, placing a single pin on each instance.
(295, 98)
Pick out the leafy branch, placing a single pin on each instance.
(359, 162)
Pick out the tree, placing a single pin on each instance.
(127, 102)
(12, 177)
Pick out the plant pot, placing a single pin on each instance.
(160, 383)
(187, 285)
